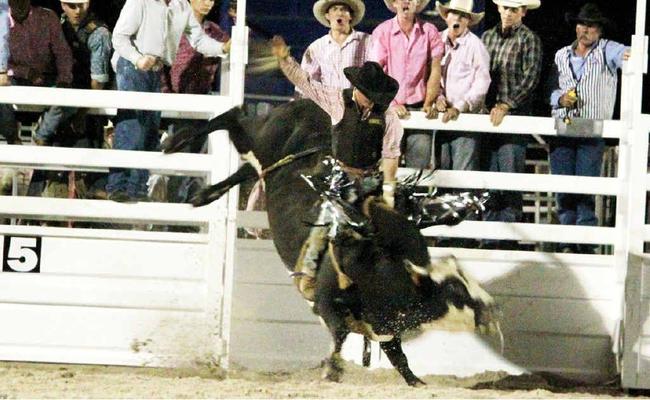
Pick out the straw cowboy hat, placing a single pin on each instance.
(357, 7)
(421, 5)
(464, 6)
(529, 4)
(373, 82)
(589, 13)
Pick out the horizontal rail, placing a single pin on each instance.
(104, 234)
(99, 160)
(520, 125)
(526, 231)
(113, 111)
(114, 99)
(102, 210)
(520, 182)
(486, 230)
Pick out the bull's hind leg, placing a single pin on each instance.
(211, 193)
(393, 350)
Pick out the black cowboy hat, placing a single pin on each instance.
(371, 80)
(589, 14)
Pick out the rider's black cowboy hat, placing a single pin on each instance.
(589, 14)
(371, 80)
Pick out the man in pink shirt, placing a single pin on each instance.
(342, 47)
(410, 51)
(465, 82)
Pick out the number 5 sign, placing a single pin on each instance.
(21, 254)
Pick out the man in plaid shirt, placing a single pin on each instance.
(515, 66)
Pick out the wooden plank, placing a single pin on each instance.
(151, 331)
(279, 303)
(120, 258)
(268, 346)
(155, 294)
(558, 316)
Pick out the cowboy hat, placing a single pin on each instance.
(421, 5)
(75, 1)
(356, 6)
(464, 6)
(589, 13)
(529, 4)
(371, 80)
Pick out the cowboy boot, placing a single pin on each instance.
(309, 261)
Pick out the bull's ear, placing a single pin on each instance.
(416, 272)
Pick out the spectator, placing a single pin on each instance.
(325, 59)
(364, 129)
(192, 73)
(146, 37)
(47, 63)
(515, 64)
(4, 42)
(407, 47)
(586, 89)
(465, 81)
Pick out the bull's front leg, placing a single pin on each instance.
(334, 319)
(211, 193)
(393, 350)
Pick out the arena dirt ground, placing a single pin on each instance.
(31, 380)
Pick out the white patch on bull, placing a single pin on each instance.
(252, 160)
(448, 268)
(454, 320)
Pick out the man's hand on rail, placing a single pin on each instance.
(430, 111)
(497, 113)
(4, 79)
(451, 114)
(441, 104)
(226, 46)
(401, 111)
(146, 62)
(279, 47)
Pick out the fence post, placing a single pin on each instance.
(631, 252)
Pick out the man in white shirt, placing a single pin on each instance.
(145, 38)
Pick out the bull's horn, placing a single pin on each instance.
(415, 271)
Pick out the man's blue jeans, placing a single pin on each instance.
(134, 129)
(458, 150)
(507, 154)
(580, 157)
(51, 120)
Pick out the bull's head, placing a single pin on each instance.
(470, 306)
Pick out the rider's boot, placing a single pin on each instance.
(309, 261)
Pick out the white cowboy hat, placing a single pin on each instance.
(321, 7)
(418, 9)
(464, 6)
(529, 4)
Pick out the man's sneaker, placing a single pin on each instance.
(119, 196)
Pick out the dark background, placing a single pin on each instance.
(294, 20)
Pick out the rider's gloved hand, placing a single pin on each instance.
(388, 193)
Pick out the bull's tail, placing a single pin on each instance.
(227, 121)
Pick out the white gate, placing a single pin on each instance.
(116, 296)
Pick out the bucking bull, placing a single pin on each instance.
(372, 284)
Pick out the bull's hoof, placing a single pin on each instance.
(489, 320)
(333, 371)
(207, 196)
(415, 382)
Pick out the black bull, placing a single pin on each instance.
(395, 287)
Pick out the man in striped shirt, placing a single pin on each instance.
(342, 47)
(515, 65)
(586, 88)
